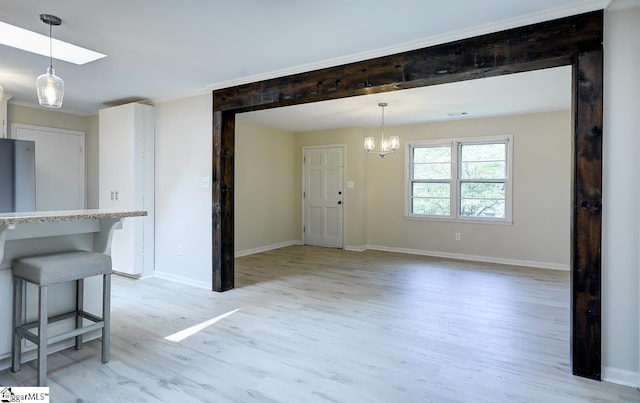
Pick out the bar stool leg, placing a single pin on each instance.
(106, 316)
(79, 307)
(16, 346)
(42, 336)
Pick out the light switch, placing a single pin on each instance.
(350, 184)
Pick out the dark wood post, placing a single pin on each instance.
(222, 203)
(587, 215)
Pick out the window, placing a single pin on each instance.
(464, 179)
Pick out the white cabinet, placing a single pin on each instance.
(3, 116)
(126, 181)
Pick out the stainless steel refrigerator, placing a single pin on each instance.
(17, 175)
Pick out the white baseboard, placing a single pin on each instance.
(180, 279)
(476, 258)
(206, 285)
(247, 252)
(354, 248)
(446, 255)
(128, 275)
(620, 376)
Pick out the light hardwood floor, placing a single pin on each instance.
(326, 325)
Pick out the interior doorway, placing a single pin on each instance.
(575, 40)
(323, 196)
(60, 166)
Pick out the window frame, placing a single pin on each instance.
(455, 179)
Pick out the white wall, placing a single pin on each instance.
(183, 206)
(540, 233)
(264, 189)
(621, 195)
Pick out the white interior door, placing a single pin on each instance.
(60, 166)
(323, 196)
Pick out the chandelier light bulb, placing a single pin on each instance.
(394, 142)
(369, 144)
(384, 146)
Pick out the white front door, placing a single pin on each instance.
(323, 196)
(60, 166)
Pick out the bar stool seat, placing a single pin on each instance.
(55, 268)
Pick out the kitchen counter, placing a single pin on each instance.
(31, 233)
(67, 215)
(35, 226)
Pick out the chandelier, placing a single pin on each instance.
(386, 146)
(49, 86)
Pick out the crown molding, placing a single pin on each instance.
(533, 18)
(33, 105)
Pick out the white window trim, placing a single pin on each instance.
(454, 143)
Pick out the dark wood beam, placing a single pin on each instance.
(538, 46)
(575, 40)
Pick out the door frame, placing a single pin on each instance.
(46, 129)
(576, 40)
(344, 192)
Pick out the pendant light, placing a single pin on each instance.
(386, 146)
(49, 86)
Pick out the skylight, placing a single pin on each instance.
(23, 39)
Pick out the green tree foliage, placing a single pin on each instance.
(481, 173)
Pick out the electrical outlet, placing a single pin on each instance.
(179, 250)
(457, 236)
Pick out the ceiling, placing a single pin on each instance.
(162, 50)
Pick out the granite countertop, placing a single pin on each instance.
(33, 217)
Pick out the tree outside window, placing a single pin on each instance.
(460, 179)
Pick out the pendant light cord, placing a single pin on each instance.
(382, 127)
(50, 49)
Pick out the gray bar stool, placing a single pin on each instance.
(43, 271)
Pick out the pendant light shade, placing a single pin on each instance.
(50, 87)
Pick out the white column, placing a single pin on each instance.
(621, 195)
